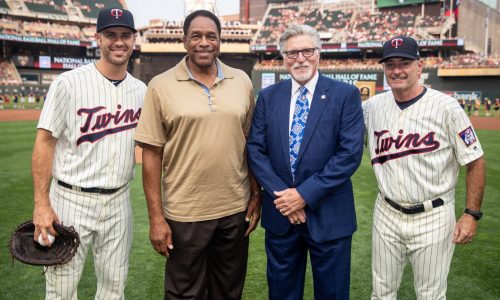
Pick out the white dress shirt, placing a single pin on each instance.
(311, 86)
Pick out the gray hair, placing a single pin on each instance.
(296, 30)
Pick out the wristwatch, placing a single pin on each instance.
(477, 214)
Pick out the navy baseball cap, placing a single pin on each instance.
(400, 46)
(115, 17)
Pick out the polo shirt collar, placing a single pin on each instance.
(182, 72)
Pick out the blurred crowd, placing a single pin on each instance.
(47, 6)
(457, 61)
(7, 72)
(380, 27)
(472, 60)
(486, 108)
(20, 97)
(47, 29)
(343, 25)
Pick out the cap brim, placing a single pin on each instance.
(401, 55)
(116, 25)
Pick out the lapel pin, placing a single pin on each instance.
(323, 97)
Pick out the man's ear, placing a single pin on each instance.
(97, 38)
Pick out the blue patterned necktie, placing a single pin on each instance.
(298, 126)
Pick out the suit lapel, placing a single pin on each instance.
(319, 102)
(284, 116)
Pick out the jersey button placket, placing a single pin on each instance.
(112, 140)
(400, 125)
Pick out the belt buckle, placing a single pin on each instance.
(428, 205)
(76, 188)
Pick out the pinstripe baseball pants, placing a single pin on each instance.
(424, 239)
(103, 222)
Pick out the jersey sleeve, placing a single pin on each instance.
(463, 137)
(151, 129)
(55, 109)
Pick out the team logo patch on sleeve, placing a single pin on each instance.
(468, 136)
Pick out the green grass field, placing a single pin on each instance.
(475, 270)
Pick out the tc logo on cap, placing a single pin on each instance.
(116, 12)
(395, 43)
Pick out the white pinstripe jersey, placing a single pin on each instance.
(416, 152)
(94, 122)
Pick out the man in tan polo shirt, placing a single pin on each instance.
(193, 130)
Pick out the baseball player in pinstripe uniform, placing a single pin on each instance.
(85, 143)
(418, 138)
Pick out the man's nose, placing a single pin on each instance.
(301, 57)
(204, 41)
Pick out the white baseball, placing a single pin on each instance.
(49, 236)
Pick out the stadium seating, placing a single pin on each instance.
(431, 21)
(8, 73)
(45, 29)
(52, 30)
(9, 25)
(376, 27)
(355, 24)
(48, 7)
(3, 4)
(90, 8)
(348, 64)
(471, 60)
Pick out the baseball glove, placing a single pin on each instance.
(26, 250)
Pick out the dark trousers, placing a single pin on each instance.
(209, 259)
(287, 261)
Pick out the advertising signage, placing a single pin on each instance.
(392, 3)
(357, 46)
(51, 62)
(42, 40)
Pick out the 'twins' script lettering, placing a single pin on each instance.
(411, 143)
(98, 125)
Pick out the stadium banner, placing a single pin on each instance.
(358, 46)
(42, 40)
(23, 61)
(62, 63)
(392, 3)
(51, 62)
(465, 95)
(367, 81)
(372, 82)
(267, 79)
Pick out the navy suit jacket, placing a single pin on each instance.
(329, 154)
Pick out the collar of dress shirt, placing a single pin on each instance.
(310, 85)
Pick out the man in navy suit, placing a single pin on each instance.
(305, 143)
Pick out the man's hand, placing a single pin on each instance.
(160, 236)
(298, 217)
(43, 218)
(253, 213)
(41, 168)
(465, 229)
(289, 201)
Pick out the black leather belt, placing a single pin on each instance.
(410, 210)
(87, 190)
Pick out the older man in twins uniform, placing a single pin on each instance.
(85, 144)
(418, 138)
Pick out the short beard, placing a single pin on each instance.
(304, 76)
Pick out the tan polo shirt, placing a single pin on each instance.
(205, 173)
